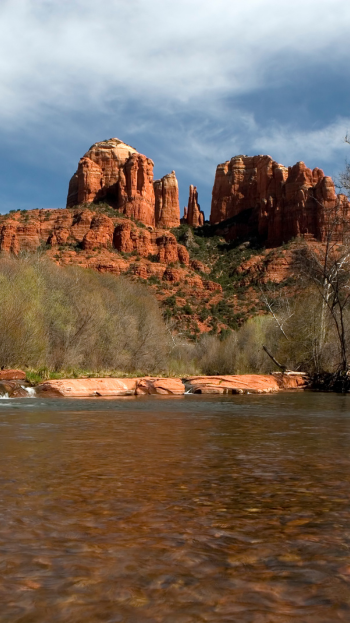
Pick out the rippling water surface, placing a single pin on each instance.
(182, 510)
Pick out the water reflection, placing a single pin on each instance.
(176, 511)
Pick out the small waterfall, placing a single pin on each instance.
(4, 397)
(30, 391)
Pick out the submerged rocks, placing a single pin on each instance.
(13, 389)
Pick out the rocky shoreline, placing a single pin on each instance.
(14, 385)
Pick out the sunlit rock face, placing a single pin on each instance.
(261, 197)
(193, 215)
(115, 173)
(167, 207)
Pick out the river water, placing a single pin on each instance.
(181, 510)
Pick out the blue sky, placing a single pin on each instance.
(189, 83)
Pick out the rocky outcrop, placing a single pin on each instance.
(193, 215)
(230, 384)
(165, 387)
(12, 375)
(236, 384)
(13, 389)
(159, 244)
(292, 380)
(90, 388)
(115, 173)
(167, 207)
(88, 231)
(256, 196)
(101, 239)
(87, 388)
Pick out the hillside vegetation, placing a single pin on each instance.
(72, 321)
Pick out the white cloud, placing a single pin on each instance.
(205, 145)
(291, 145)
(64, 54)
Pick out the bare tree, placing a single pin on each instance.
(327, 267)
(344, 177)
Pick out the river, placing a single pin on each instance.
(231, 509)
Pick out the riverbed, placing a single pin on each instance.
(175, 510)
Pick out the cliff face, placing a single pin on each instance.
(262, 197)
(85, 230)
(117, 174)
(167, 207)
(202, 282)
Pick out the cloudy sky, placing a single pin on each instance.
(189, 83)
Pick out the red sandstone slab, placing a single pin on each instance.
(242, 383)
(168, 387)
(12, 375)
(88, 388)
(80, 388)
(291, 380)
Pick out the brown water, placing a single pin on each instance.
(175, 510)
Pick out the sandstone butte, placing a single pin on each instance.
(117, 174)
(259, 197)
(253, 197)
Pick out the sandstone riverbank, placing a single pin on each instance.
(230, 384)
(13, 385)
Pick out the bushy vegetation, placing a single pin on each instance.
(58, 318)
(66, 320)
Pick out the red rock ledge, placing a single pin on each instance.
(239, 384)
(87, 388)
(12, 375)
(245, 383)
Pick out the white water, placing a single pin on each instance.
(4, 397)
(30, 391)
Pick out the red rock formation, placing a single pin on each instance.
(272, 266)
(103, 240)
(13, 389)
(12, 375)
(105, 387)
(88, 231)
(261, 197)
(167, 207)
(79, 388)
(117, 174)
(128, 239)
(292, 380)
(166, 387)
(100, 233)
(235, 384)
(193, 215)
